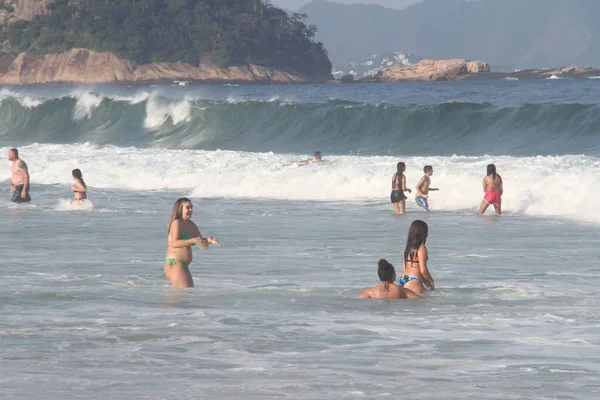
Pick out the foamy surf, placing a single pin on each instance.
(535, 186)
(69, 205)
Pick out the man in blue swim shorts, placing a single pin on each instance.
(423, 188)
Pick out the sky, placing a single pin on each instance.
(296, 4)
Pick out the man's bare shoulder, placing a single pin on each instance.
(22, 164)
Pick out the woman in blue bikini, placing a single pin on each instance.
(416, 276)
(182, 234)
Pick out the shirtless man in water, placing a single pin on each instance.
(387, 289)
(423, 188)
(20, 178)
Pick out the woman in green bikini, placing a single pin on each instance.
(182, 234)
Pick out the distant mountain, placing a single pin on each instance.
(504, 33)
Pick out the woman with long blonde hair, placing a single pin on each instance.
(182, 234)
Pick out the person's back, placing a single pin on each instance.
(416, 276)
(387, 289)
(493, 183)
(492, 189)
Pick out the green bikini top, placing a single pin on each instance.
(185, 236)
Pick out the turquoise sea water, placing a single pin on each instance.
(87, 312)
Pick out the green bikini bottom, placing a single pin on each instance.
(172, 262)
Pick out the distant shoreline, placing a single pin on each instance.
(459, 70)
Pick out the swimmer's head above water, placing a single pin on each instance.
(386, 271)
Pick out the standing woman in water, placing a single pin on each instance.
(492, 187)
(79, 188)
(398, 188)
(416, 276)
(182, 234)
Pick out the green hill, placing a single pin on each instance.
(222, 32)
(504, 33)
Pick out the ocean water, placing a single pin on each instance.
(88, 313)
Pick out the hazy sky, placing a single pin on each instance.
(295, 4)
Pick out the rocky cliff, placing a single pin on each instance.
(15, 10)
(86, 66)
(430, 70)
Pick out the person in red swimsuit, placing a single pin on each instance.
(492, 187)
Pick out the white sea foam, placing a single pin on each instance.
(68, 205)
(87, 103)
(26, 100)
(550, 186)
(159, 110)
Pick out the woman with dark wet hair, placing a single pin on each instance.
(387, 289)
(492, 187)
(416, 276)
(79, 188)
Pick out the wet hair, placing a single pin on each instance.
(385, 271)
(417, 236)
(427, 168)
(15, 151)
(177, 211)
(317, 155)
(400, 168)
(491, 170)
(78, 175)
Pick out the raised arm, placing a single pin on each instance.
(423, 256)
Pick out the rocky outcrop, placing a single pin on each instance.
(562, 72)
(430, 70)
(87, 66)
(15, 10)
(541, 73)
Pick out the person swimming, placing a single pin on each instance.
(79, 188)
(398, 188)
(493, 189)
(318, 159)
(416, 275)
(387, 289)
(182, 234)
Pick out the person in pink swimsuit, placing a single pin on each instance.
(492, 187)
